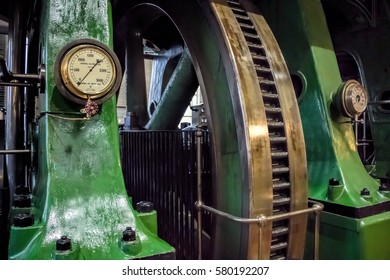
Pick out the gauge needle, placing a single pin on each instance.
(90, 70)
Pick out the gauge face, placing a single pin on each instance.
(354, 98)
(87, 69)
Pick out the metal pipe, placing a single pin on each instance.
(317, 234)
(5, 152)
(14, 131)
(199, 187)
(10, 84)
(364, 137)
(259, 242)
(382, 102)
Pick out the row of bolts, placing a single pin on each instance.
(22, 200)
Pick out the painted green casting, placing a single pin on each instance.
(301, 30)
(80, 191)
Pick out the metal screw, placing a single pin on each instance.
(145, 207)
(63, 244)
(129, 235)
(23, 220)
(364, 192)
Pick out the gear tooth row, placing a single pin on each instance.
(276, 129)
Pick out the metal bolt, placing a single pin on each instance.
(22, 201)
(22, 190)
(23, 220)
(334, 182)
(145, 207)
(129, 235)
(63, 244)
(364, 192)
(384, 187)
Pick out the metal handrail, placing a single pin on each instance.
(260, 220)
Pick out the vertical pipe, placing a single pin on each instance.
(260, 238)
(364, 137)
(14, 130)
(135, 77)
(199, 187)
(317, 234)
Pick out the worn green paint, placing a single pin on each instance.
(80, 190)
(301, 30)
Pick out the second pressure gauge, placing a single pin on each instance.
(87, 69)
(352, 98)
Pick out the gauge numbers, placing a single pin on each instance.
(87, 69)
(354, 99)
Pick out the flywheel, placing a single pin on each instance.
(259, 160)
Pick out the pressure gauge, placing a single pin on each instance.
(87, 69)
(352, 98)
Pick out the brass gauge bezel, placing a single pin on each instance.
(345, 99)
(351, 88)
(63, 72)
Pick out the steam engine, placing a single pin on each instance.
(217, 129)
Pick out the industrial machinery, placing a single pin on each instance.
(282, 132)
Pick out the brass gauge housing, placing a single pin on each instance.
(87, 69)
(351, 98)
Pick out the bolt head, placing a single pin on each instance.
(365, 192)
(129, 235)
(384, 187)
(22, 201)
(23, 220)
(145, 207)
(334, 182)
(22, 190)
(63, 244)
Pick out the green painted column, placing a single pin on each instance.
(80, 189)
(302, 33)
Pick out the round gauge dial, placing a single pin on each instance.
(354, 98)
(87, 69)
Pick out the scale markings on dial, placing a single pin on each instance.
(87, 69)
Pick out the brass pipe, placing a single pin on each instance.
(317, 234)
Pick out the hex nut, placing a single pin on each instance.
(129, 235)
(23, 220)
(144, 207)
(63, 244)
